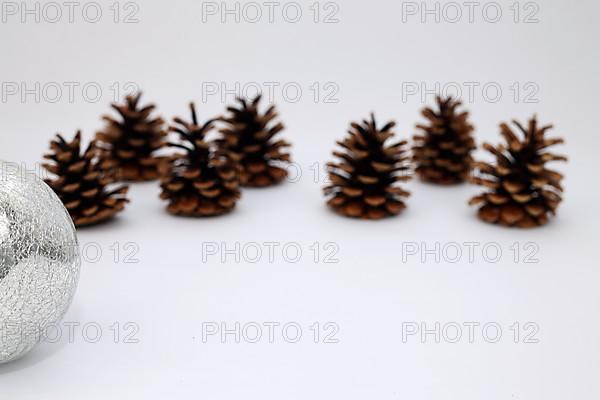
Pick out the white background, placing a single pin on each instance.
(371, 55)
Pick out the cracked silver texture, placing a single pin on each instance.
(39, 261)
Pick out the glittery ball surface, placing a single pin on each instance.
(39, 261)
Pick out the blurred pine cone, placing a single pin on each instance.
(523, 192)
(443, 153)
(128, 146)
(250, 135)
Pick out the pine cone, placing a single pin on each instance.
(80, 183)
(204, 181)
(128, 146)
(249, 134)
(443, 154)
(523, 192)
(362, 183)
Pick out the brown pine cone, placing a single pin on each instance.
(80, 183)
(523, 192)
(443, 153)
(203, 181)
(128, 146)
(250, 134)
(363, 181)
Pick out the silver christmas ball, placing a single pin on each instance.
(39, 261)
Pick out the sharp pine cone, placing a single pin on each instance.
(81, 184)
(523, 192)
(443, 153)
(128, 145)
(250, 135)
(204, 181)
(363, 181)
